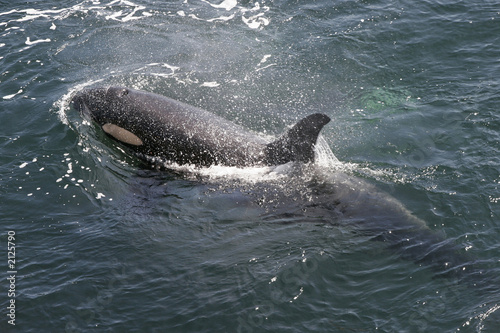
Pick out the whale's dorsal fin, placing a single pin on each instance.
(297, 144)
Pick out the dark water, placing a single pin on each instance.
(102, 243)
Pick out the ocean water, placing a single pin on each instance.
(98, 241)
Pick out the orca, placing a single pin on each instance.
(156, 126)
(160, 127)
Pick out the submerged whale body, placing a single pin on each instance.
(156, 126)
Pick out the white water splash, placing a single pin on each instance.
(210, 84)
(63, 104)
(13, 95)
(122, 15)
(29, 42)
(253, 17)
(226, 4)
(323, 155)
(324, 160)
(119, 10)
(256, 21)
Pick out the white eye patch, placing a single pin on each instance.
(122, 134)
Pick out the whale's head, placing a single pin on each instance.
(100, 104)
(110, 108)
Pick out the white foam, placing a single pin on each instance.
(256, 21)
(13, 95)
(229, 173)
(262, 68)
(120, 16)
(210, 84)
(324, 160)
(264, 59)
(29, 42)
(221, 18)
(127, 12)
(172, 68)
(226, 4)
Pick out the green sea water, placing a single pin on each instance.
(101, 242)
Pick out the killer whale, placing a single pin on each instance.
(157, 126)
